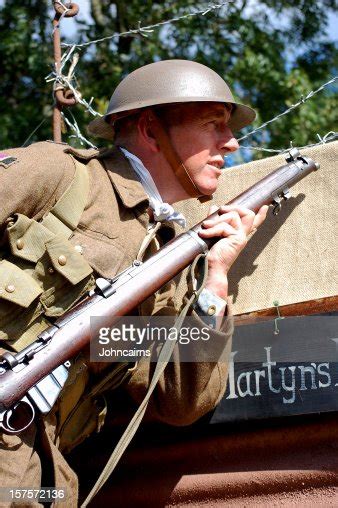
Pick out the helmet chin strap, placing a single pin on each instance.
(174, 160)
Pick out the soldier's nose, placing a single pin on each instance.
(228, 141)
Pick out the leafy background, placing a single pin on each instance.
(272, 52)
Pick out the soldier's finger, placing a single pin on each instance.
(231, 218)
(241, 210)
(260, 216)
(221, 230)
(246, 215)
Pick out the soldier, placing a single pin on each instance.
(69, 215)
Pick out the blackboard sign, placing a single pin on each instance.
(293, 372)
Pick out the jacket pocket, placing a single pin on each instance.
(16, 286)
(65, 275)
(18, 292)
(66, 260)
(27, 238)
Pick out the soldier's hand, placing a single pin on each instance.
(234, 225)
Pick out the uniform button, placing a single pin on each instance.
(211, 310)
(62, 260)
(79, 249)
(10, 288)
(20, 244)
(50, 270)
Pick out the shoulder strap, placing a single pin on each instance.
(65, 215)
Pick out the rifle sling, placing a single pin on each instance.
(162, 362)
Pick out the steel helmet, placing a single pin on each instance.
(167, 82)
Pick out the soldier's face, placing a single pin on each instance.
(202, 139)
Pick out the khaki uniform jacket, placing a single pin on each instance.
(110, 232)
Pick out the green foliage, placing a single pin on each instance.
(26, 58)
(272, 52)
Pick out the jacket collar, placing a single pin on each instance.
(124, 179)
(125, 182)
(120, 173)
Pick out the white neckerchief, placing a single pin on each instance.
(162, 211)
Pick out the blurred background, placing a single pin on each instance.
(273, 53)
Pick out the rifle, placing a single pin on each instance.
(34, 377)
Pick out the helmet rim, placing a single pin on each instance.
(169, 82)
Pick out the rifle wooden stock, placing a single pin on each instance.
(71, 333)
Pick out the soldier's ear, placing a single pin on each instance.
(146, 135)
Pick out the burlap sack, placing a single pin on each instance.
(292, 257)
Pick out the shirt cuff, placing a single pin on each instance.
(209, 306)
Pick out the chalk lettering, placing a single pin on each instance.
(268, 365)
(247, 377)
(231, 384)
(303, 369)
(258, 375)
(292, 386)
(323, 373)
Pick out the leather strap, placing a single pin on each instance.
(173, 158)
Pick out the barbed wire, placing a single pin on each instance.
(66, 81)
(61, 80)
(65, 10)
(75, 128)
(69, 81)
(291, 108)
(145, 30)
(330, 136)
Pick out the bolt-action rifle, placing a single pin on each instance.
(34, 377)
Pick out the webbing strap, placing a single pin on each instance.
(65, 215)
(162, 362)
(147, 240)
